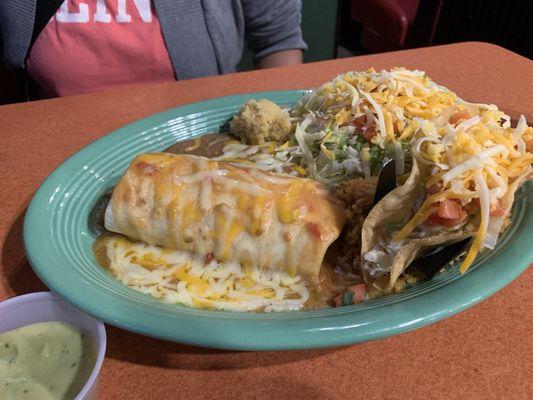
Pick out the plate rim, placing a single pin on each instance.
(269, 331)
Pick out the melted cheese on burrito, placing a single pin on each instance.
(259, 219)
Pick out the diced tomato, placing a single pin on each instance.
(435, 188)
(499, 212)
(337, 300)
(314, 229)
(459, 115)
(449, 209)
(359, 292)
(352, 295)
(359, 122)
(449, 213)
(496, 209)
(369, 133)
(435, 220)
(146, 168)
(208, 258)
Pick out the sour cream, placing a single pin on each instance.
(44, 361)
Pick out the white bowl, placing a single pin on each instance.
(45, 307)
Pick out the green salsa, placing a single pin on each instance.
(47, 360)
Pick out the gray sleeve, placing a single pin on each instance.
(16, 28)
(272, 26)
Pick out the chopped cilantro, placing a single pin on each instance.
(347, 298)
(359, 142)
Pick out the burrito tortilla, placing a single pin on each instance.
(258, 218)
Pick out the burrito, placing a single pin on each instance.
(466, 171)
(260, 219)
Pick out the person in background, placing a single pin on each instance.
(91, 45)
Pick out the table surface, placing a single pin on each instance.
(485, 352)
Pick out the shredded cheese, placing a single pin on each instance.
(181, 277)
(480, 235)
(473, 162)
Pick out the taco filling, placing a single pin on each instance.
(465, 174)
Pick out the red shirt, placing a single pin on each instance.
(92, 45)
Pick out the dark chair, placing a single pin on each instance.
(395, 24)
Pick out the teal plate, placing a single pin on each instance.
(58, 239)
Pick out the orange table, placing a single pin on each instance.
(485, 352)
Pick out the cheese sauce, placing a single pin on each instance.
(42, 361)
